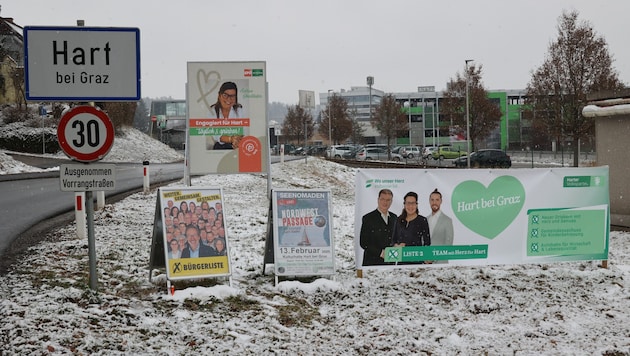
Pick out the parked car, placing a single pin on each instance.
(337, 151)
(376, 154)
(447, 152)
(317, 150)
(288, 148)
(352, 154)
(427, 151)
(410, 152)
(490, 158)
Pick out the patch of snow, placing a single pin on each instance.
(48, 308)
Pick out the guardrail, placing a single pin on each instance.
(415, 163)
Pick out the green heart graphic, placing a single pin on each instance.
(488, 211)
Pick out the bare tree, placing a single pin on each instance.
(577, 63)
(294, 123)
(389, 119)
(358, 132)
(340, 121)
(484, 115)
(121, 113)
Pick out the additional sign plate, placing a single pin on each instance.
(82, 63)
(85, 133)
(87, 177)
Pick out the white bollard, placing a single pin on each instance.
(100, 200)
(282, 153)
(145, 170)
(79, 213)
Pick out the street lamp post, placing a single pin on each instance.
(409, 112)
(329, 119)
(370, 82)
(467, 115)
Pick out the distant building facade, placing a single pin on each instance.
(359, 100)
(168, 122)
(428, 127)
(11, 62)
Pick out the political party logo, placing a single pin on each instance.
(488, 211)
(248, 72)
(384, 183)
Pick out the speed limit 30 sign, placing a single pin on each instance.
(85, 134)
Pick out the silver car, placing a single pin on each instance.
(410, 152)
(427, 151)
(337, 151)
(377, 154)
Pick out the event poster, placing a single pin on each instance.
(227, 117)
(303, 238)
(499, 216)
(195, 233)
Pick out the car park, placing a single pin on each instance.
(352, 154)
(317, 150)
(487, 158)
(427, 151)
(397, 149)
(410, 152)
(447, 152)
(377, 154)
(337, 151)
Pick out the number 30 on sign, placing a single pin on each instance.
(85, 133)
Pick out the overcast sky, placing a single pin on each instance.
(336, 44)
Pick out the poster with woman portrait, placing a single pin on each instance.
(227, 117)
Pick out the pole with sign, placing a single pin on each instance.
(86, 134)
(83, 64)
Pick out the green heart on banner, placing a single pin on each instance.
(488, 211)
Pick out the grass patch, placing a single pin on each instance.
(298, 312)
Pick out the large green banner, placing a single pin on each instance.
(480, 217)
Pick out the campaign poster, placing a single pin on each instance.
(494, 216)
(195, 232)
(227, 117)
(303, 240)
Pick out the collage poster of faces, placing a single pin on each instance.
(194, 230)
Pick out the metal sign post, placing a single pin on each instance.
(89, 208)
(86, 134)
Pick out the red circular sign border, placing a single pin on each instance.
(85, 157)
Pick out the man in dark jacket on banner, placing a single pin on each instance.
(376, 230)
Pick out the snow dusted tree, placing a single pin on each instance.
(578, 62)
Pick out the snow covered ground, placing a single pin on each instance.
(47, 307)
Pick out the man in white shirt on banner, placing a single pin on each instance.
(440, 225)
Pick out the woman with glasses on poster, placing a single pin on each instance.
(411, 228)
(226, 107)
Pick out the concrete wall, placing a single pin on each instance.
(613, 150)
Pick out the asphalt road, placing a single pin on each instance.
(33, 203)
